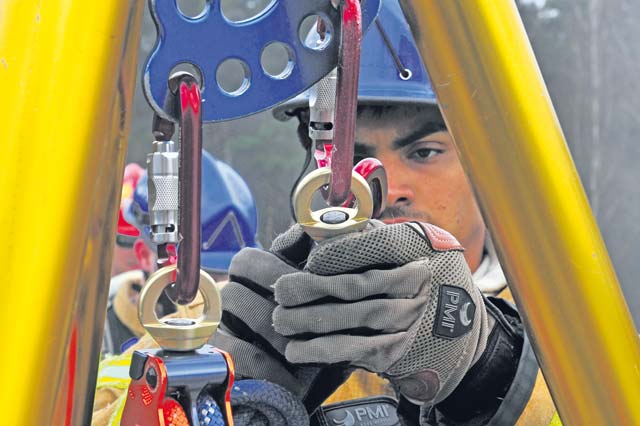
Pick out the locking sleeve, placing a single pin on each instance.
(322, 107)
(163, 192)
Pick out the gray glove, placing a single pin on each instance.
(246, 330)
(396, 300)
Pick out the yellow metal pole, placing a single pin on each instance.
(64, 123)
(497, 107)
(92, 299)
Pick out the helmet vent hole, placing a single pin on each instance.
(405, 74)
(193, 9)
(233, 77)
(277, 60)
(315, 32)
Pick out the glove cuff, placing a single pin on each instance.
(483, 388)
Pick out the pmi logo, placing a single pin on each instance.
(369, 415)
(455, 312)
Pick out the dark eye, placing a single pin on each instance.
(424, 154)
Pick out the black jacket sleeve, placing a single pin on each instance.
(497, 388)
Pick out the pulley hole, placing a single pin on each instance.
(191, 69)
(277, 60)
(244, 10)
(193, 9)
(233, 77)
(315, 32)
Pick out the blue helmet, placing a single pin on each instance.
(228, 213)
(391, 68)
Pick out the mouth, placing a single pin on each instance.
(392, 220)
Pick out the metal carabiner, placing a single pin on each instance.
(354, 195)
(182, 200)
(185, 87)
(346, 103)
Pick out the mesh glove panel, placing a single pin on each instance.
(246, 329)
(393, 300)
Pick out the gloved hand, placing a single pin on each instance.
(396, 300)
(246, 330)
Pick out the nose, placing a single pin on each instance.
(400, 192)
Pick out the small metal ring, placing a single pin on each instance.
(310, 220)
(172, 337)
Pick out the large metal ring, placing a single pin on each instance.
(179, 334)
(331, 221)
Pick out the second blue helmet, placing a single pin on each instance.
(228, 213)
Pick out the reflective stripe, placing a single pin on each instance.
(114, 372)
(116, 417)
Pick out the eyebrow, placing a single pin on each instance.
(425, 129)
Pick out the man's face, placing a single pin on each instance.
(426, 180)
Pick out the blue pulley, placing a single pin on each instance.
(210, 39)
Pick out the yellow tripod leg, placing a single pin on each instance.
(496, 105)
(66, 78)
